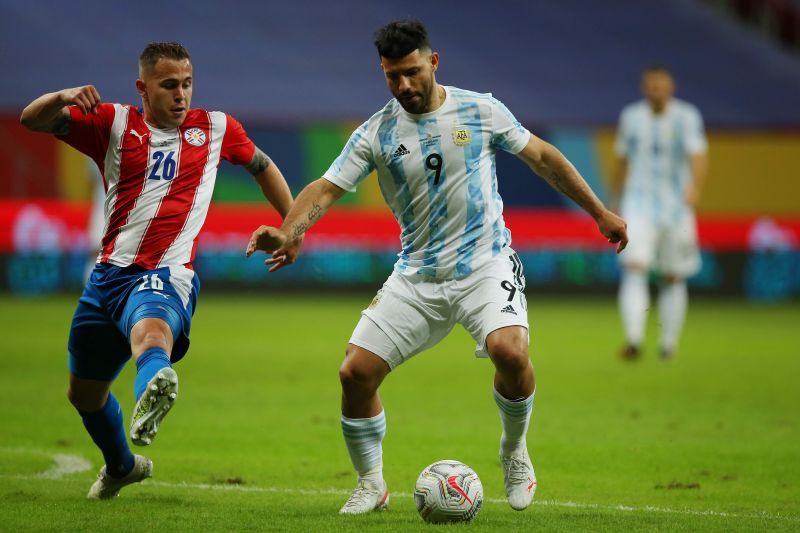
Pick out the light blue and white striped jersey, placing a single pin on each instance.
(436, 172)
(658, 150)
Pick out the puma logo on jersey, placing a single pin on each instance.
(136, 134)
(401, 151)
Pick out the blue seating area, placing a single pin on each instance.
(565, 63)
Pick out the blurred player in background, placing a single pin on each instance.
(434, 151)
(661, 149)
(159, 163)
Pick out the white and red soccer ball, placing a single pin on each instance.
(448, 491)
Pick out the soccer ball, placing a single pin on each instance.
(448, 491)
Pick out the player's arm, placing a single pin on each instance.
(698, 164)
(618, 175)
(270, 179)
(49, 113)
(548, 162)
(307, 209)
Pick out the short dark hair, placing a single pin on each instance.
(401, 37)
(155, 51)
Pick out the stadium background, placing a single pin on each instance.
(302, 78)
(707, 442)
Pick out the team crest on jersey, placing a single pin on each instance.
(375, 301)
(195, 136)
(462, 136)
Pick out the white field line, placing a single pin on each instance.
(543, 503)
(72, 464)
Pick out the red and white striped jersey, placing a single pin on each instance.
(158, 182)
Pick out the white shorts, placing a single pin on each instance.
(411, 313)
(670, 250)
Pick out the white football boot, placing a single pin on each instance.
(107, 487)
(366, 497)
(519, 478)
(153, 406)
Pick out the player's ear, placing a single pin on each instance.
(434, 61)
(141, 88)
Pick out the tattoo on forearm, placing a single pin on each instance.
(299, 229)
(314, 214)
(61, 125)
(259, 163)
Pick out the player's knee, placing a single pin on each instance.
(354, 375)
(509, 354)
(351, 376)
(150, 333)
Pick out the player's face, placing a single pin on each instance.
(166, 91)
(658, 88)
(411, 80)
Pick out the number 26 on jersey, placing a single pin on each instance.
(164, 166)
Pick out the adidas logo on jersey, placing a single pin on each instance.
(508, 309)
(401, 151)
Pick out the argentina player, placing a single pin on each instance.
(433, 148)
(661, 150)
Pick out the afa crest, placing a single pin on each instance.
(195, 136)
(462, 135)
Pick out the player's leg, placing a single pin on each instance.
(491, 305)
(97, 353)
(398, 324)
(634, 301)
(157, 319)
(514, 387)
(514, 384)
(672, 304)
(679, 258)
(634, 289)
(156, 384)
(364, 424)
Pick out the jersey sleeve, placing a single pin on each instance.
(236, 145)
(695, 133)
(354, 163)
(89, 133)
(507, 133)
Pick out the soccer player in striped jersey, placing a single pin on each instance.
(159, 164)
(434, 151)
(661, 150)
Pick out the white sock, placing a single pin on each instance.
(634, 301)
(363, 437)
(515, 418)
(672, 303)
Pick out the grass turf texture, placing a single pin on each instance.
(706, 442)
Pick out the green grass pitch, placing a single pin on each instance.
(708, 442)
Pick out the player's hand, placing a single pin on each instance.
(273, 240)
(285, 255)
(86, 98)
(614, 229)
(266, 239)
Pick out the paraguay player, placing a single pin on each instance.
(434, 151)
(159, 165)
(661, 149)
